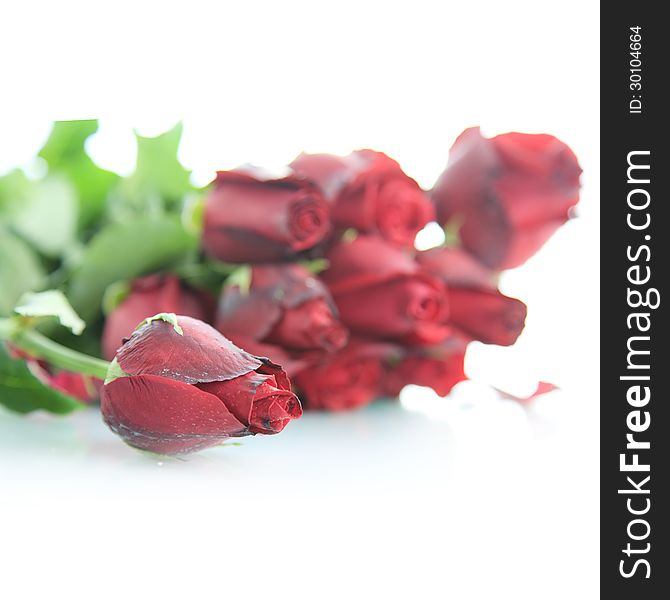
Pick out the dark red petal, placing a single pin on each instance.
(270, 368)
(149, 296)
(237, 394)
(487, 315)
(341, 384)
(251, 315)
(369, 192)
(167, 416)
(288, 285)
(526, 242)
(538, 154)
(273, 409)
(455, 267)
(200, 355)
(309, 326)
(412, 309)
(273, 289)
(248, 218)
(403, 209)
(511, 193)
(257, 400)
(331, 173)
(308, 222)
(347, 379)
(365, 261)
(473, 163)
(439, 371)
(291, 362)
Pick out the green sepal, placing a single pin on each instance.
(170, 318)
(240, 278)
(115, 372)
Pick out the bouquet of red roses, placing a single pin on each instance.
(224, 311)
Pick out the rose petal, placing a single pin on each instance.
(348, 379)
(411, 308)
(200, 355)
(253, 219)
(369, 192)
(149, 296)
(487, 316)
(310, 326)
(456, 268)
(167, 416)
(439, 368)
(257, 400)
(363, 262)
(510, 193)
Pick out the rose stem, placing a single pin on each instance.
(39, 346)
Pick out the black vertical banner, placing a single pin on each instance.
(635, 266)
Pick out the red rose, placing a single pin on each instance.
(149, 296)
(381, 292)
(476, 307)
(285, 306)
(82, 387)
(369, 192)
(510, 193)
(177, 386)
(251, 218)
(349, 379)
(439, 368)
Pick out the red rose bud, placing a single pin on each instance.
(348, 379)
(178, 386)
(509, 193)
(251, 218)
(439, 368)
(381, 292)
(285, 306)
(84, 388)
(476, 307)
(149, 296)
(369, 191)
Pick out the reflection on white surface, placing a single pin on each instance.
(388, 496)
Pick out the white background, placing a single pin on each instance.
(464, 497)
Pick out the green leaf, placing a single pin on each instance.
(20, 270)
(66, 141)
(44, 212)
(47, 218)
(65, 153)
(23, 392)
(158, 172)
(123, 251)
(193, 213)
(208, 274)
(114, 295)
(52, 303)
(14, 189)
